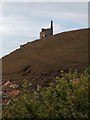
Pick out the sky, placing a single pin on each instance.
(21, 22)
(44, 0)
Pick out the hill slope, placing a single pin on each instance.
(44, 58)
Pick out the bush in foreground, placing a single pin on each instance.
(66, 98)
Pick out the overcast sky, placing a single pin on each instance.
(21, 22)
(44, 0)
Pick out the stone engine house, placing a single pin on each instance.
(47, 32)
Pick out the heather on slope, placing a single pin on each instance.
(41, 60)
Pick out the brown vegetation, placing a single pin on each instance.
(41, 60)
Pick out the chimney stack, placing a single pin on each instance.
(51, 27)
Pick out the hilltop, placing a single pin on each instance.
(38, 63)
(41, 60)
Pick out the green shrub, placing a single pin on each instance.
(67, 97)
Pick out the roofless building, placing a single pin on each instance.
(47, 32)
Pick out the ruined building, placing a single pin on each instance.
(47, 32)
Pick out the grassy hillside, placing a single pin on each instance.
(44, 58)
(40, 63)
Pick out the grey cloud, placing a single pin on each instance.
(44, 1)
(44, 9)
(74, 7)
(18, 17)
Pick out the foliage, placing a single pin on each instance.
(67, 97)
